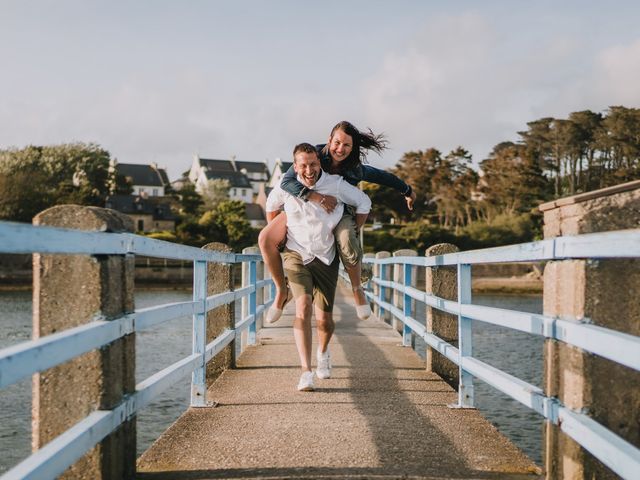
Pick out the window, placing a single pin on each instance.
(243, 192)
(155, 192)
(141, 225)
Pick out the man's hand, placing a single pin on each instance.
(328, 202)
(411, 199)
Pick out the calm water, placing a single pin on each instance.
(517, 353)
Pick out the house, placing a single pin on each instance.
(279, 169)
(146, 180)
(203, 170)
(255, 214)
(256, 172)
(149, 213)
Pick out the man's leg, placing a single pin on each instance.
(301, 282)
(325, 327)
(325, 280)
(302, 331)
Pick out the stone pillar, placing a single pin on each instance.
(69, 291)
(377, 272)
(398, 277)
(442, 282)
(220, 280)
(606, 292)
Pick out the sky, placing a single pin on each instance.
(160, 81)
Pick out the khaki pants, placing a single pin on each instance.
(348, 239)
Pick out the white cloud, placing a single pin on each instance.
(462, 82)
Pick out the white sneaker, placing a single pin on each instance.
(306, 382)
(323, 370)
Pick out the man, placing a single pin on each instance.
(310, 259)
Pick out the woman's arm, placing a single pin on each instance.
(381, 177)
(291, 185)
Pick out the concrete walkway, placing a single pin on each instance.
(381, 415)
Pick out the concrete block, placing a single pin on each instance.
(220, 278)
(71, 290)
(442, 282)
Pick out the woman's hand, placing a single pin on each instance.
(328, 202)
(411, 199)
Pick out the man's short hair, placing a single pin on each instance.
(305, 148)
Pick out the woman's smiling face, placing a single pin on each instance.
(340, 145)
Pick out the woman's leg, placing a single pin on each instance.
(269, 239)
(351, 256)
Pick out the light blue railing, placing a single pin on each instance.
(619, 455)
(22, 360)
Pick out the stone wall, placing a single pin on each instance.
(604, 293)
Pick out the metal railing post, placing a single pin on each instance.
(465, 338)
(382, 295)
(198, 377)
(251, 337)
(406, 331)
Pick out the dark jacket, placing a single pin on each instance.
(367, 173)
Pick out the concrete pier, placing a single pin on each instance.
(381, 415)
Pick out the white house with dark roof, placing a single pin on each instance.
(279, 169)
(256, 172)
(147, 180)
(244, 177)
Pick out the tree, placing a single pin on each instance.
(228, 223)
(216, 191)
(418, 169)
(190, 200)
(69, 173)
(512, 182)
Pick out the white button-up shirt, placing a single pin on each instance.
(309, 226)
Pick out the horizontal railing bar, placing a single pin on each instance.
(217, 345)
(533, 323)
(248, 257)
(618, 244)
(56, 456)
(244, 323)
(244, 291)
(525, 393)
(27, 358)
(26, 238)
(616, 453)
(617, 346)
(151, 316)
(149, 389)
(214, 301)
(263, 283)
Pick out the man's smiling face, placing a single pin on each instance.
(307, 166)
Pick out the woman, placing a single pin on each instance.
(343, 155)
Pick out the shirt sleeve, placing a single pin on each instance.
(351, 195)
(275, 200)
(381, 177)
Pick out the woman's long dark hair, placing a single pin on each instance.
(363, 142)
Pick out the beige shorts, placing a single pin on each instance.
(315, 279)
